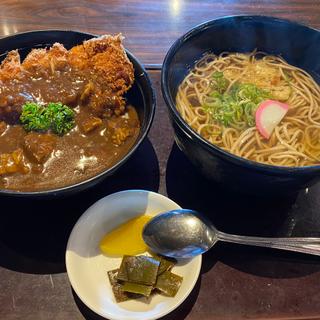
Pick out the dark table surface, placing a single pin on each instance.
(236, 282)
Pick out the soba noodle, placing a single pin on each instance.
(296, 139)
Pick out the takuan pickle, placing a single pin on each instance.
(126, 239)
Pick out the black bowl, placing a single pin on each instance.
(141, 95)
(298, 44)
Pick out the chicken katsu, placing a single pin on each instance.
(63, 113)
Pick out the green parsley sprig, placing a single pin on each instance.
(54, 117)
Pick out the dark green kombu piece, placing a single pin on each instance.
(137, 288)
(139, 269)
(117, 288)
(168, 283)
(166, 264)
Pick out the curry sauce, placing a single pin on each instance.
(76, 156)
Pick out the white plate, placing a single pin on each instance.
(87, 267)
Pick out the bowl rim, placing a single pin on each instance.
(81, 185)
(193, 32)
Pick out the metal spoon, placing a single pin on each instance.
(187, 233)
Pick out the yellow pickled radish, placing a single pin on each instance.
(126, 239)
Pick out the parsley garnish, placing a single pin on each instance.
(55, 116)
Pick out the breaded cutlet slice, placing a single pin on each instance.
(55, 58)
(106, 58)
(10, 67)
(102, 61)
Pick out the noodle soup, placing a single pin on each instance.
(220, 97)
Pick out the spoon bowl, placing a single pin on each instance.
(186, 233)
(180, 234)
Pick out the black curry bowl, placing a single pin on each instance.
(298, 44)
(141, 95)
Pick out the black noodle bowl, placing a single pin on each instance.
(240, 34)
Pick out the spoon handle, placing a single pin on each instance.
(303, 245)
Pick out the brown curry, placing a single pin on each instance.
(91, 79)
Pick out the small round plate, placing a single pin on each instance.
(87, 267)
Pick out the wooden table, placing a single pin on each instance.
(236, 282)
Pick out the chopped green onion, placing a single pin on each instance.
(238, 105)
